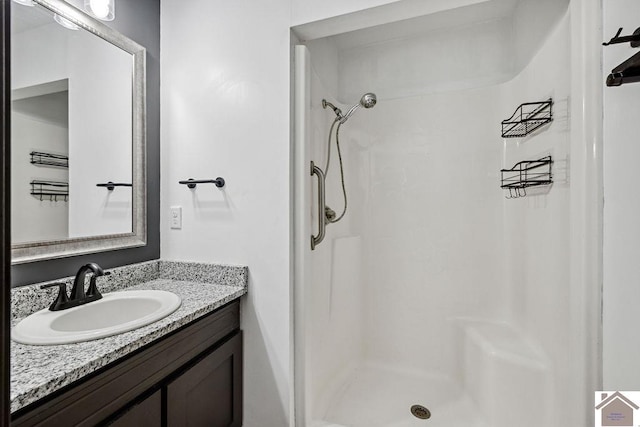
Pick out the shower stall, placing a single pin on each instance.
(439, 298)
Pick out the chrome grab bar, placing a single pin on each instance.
(315, 240)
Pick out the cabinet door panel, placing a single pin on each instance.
(147, 413)
(210, 392)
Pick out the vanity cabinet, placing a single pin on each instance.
(148, 412)
(205, 395)
(193, 376)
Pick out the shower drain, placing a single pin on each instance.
(421, 412)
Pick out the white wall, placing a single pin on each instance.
(100, 137)
(433, 52)
(432, 223)
(33, 219)
(35, 63)
(441, 60)
(225, 112)
(621, 346)
(536, 261)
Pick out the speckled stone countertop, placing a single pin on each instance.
(37, 371)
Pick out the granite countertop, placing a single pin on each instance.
(37, 371)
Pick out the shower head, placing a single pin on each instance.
(368, 100)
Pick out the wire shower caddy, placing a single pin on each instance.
(528, 117)
(525, 174)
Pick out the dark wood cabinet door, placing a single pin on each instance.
(209, 393)
(147, 413)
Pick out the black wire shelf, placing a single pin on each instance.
(527, 118)
(49, 159)
(53, 190)
(525, 174)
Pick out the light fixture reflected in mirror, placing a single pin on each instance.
(105, 10)
(65, 22)
(25, 2)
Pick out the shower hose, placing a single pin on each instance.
(331, 218)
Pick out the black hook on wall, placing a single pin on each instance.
(629, 70)
(191, 183)
(634, 38)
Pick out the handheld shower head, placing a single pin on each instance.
(368, 100)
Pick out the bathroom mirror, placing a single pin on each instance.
(78, 134)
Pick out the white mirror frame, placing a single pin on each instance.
(37, 251)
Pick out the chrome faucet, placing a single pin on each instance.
(78, 295)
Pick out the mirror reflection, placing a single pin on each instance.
(71, 131)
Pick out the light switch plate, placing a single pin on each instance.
(176, 217)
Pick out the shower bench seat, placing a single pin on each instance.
(497, 360)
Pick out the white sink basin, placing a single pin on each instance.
(115, 313)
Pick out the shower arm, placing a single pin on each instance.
(336, 110)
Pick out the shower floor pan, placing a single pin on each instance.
(376, 396)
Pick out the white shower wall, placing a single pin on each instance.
(537, 228)
(336, 341)
(431, 223)
(430, 249)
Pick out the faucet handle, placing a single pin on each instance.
(62, 298)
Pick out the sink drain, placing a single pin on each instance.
(421, 412)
